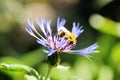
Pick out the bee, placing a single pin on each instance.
(67, 34)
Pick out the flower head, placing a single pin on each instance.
(61, 41)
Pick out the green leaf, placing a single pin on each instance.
(20, 67)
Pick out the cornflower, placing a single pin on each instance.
(61, 41)
(58, 42)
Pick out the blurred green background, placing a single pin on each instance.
(99, 18)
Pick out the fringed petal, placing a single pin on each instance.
(28, 29)
(42, 42)
(49, 52)
(76, 30)
(41, 24)
(48, 27)
(31, 27)
(60, 23)
(84, 52)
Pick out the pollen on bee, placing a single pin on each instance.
(67, 35)
(72, 38)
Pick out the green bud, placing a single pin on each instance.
(54, 59)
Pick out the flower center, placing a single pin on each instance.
(66, 39)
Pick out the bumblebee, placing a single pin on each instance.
(67, 34)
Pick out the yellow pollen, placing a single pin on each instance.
(67, 34)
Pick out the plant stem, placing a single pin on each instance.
(48, 73)
(53, 61)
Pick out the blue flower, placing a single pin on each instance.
(61, 41)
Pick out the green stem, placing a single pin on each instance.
(48, 73)
(53, 61)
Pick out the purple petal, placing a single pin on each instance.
(88, 50)
(41, 25)
(28, 29)
(48, 27)
(42, 42)
(49, 52)
(76, 30)
(60, 23)
(31, 27)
